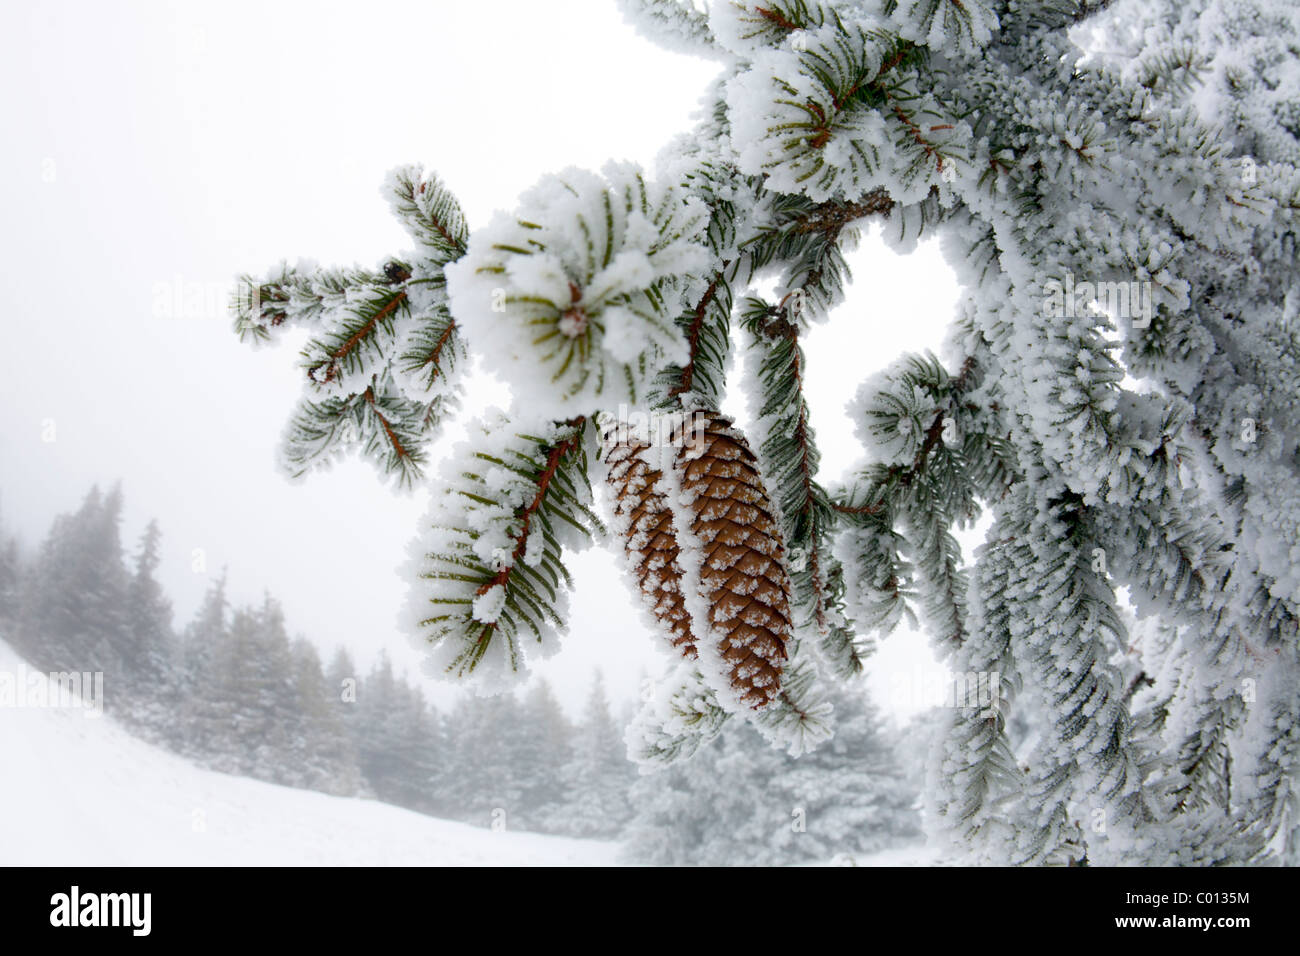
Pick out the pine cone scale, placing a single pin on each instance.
(650, 540)
(744, 583)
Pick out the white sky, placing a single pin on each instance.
(153, 150)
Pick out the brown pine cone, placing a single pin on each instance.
(743, 580)
(642, 511)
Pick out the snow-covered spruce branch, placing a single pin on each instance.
(1123, 403)
(491, 583)
(788, 449)
(384, 364)
(936, 456)
(708, 346)
(679, 25)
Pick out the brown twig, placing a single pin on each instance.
(777, 18)
(693, 336)
(856, 509)
(442, 230)
(830, 218)
(549, 470)
(346, 348)
(398, 448)
(435, 355)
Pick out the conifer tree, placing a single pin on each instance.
(741, 802)
(203, 713)
(342, 697)
(598, 778)
(396, 738)
(72, 613)
(416, 745)
(479, 781)
(542, 749)
(1115, 396)
(11, 572)
(320, 746)
(151, 648)
(262, 692)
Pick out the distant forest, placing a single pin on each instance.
(234, 692)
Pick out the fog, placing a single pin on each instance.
(154, 151)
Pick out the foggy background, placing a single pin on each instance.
(153, 151)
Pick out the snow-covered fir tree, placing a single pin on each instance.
(1114, 184)
(480, 782)
(542, 739)
(740, 802)
(200, 730)
(10, 576)
(320, 746)
(597, 778)
(397, 738)
(72, 601)
(151, 648)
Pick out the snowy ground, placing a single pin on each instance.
(899, 856)
(81, 791)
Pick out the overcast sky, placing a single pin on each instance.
(153, 151)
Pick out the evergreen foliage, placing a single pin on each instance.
(1116, 394)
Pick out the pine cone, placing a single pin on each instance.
(642, 512)
(742, 579)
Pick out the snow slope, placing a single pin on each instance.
(81, 791)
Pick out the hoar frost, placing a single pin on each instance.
(572, 298)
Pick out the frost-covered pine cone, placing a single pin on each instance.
(706, 552)
(645, 521)
(742, 580)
